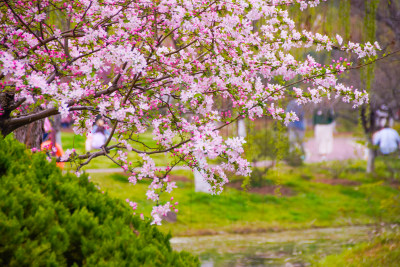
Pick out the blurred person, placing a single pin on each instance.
(296, 129)
(50, 144)
(53, 150)
(66, 121)
(88, 143)
(383, 116)
(324, 124)
(98, 137)
(387, 139)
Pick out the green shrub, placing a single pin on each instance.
(51, 219)
(272, 142)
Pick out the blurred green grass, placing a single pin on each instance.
(313, 203)
(329, 194)
(70, 140)
(383, 250)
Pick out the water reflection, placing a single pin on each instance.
(287, 248)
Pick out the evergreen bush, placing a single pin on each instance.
(51, 219)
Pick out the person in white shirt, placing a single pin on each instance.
(387, 139)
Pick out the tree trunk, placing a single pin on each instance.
(371, 160)
(368, 123)
(31, 135)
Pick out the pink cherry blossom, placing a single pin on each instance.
(180, 70)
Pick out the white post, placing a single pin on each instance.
(200, 184)
(241, 128)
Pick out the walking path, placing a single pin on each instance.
(344, 148)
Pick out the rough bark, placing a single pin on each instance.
(31, 135)
(7, 105)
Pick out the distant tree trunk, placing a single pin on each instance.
(368, 124)
(371, 159)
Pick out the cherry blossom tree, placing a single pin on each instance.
(161, 67)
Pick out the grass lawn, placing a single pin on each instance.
(314, 200)
(331, 194)
(382, 251)
(71, 140)
(316, 195)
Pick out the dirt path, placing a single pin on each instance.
(343, 148)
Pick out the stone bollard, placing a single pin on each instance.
(200, 184)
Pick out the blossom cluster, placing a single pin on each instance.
(165, 67)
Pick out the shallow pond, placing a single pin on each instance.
(286, 248)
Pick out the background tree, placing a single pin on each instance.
(381, 79)
(363, 21)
